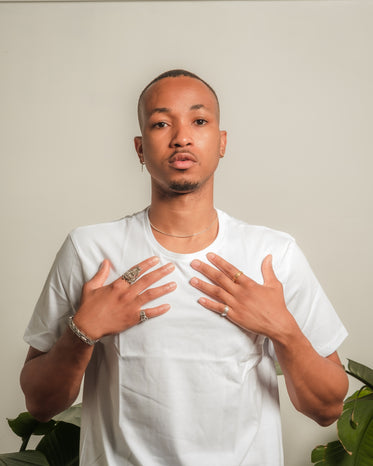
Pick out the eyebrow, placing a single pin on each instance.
(168, 110)
(159, 110)
(197, 107)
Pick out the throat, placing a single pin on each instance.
(184, 240)
(187, 245)
(188, 235)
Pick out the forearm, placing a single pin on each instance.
(316, 385)
(51, 381)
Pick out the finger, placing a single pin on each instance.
(152, 277)
(154, 293)
(268, 273)
(220, 308)
(227, 268)
(215, 292)
(143, 267)
(232, 272)
(212, 273)
(155, 311)
(101, 276)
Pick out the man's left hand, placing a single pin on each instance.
(257, 308)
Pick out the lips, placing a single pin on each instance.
(182, 160)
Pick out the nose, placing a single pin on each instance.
(181, 136)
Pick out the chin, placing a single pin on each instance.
(183, 186)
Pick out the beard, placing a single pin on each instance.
(183, 186)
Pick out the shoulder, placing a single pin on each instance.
(240, 229)
(246, 246)
(106, 231)
(87, 246)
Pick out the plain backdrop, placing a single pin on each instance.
(295, 80)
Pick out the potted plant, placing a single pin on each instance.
(354, 446)
(59, 445)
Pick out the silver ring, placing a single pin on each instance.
(131, 275)
(143, 316)
(225, 312)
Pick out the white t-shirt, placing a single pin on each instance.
(186, 388)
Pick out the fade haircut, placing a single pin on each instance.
(174, 74)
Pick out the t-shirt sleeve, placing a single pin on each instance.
(59, 298)
(309, 304)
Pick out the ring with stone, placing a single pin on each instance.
(131, 275)
(225, 312)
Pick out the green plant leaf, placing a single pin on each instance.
(318, 453)
(61, 445)
(278, 369)
(360, 372)
(332, 454)
(24, 457)
(24, 425)
(362, 393)
(72, 415)
(355, 426)
(355, 429)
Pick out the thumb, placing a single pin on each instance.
(100, 278)
(268, 273)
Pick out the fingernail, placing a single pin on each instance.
(195, 263)
(171, 286)
(154, 260)
(210, 255)
(170, 266)
(165, 307)
(194, 281)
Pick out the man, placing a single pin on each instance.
(217, 300)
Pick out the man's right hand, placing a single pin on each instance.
(113, 308)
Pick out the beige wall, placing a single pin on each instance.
(295, 80)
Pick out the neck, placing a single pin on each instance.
(181, 217)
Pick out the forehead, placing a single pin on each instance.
(180, 93)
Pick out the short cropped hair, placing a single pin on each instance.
(174, 74)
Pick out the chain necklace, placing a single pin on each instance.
(184, 236)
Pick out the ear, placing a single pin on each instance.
(138, 147)
(223, 143)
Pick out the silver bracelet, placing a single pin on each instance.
(80, 334)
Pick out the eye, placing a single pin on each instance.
(200, 122)
(159, 124)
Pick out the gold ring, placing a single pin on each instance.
(234, 279)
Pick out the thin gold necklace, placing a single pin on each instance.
(184, 236)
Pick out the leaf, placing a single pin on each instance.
(61, 445)
(24, 457)
(332, 454)
(72, 415)
(25, 425)
(362, 393)
(355, 430)
(361, 372)
(278, 369)
(318, 453)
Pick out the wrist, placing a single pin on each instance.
(80, 333)
(286, 331)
